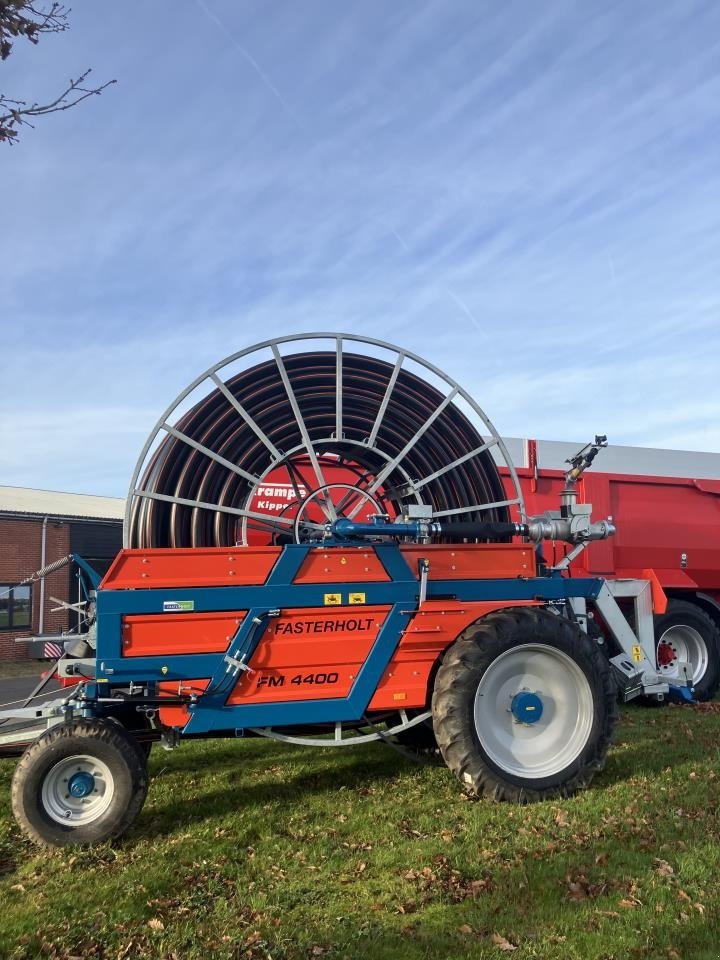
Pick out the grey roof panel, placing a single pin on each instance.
(21, 500)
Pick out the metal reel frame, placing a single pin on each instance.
(345, 735)
(313, 448)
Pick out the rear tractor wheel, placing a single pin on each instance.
(686, 633)
(80, 782)
(524, 706)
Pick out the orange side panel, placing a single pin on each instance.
(163, 634)
(475, 561)
(178, 716)
(353, 565)
(310, 654)
(196, 567)
(406, 681)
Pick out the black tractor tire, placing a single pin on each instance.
(420, 738)
(144, 746)
(493, 753)
(107, 766)
(694, 635)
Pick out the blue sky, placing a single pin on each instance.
(527, 195)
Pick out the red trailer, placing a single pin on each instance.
(665, 505)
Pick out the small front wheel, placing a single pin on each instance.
(524, 706)
(80, 782)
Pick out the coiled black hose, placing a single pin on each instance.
(187, 476)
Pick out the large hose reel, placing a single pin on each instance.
(350, 425)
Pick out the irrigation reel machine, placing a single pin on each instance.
(320, 549)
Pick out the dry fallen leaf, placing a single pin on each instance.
(501, 943)
(465, 929)
(576, 891)
(156, 924)
(663, 868)
(561, 818)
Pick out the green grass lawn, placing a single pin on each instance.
(253, 849)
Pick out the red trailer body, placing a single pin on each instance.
(669, 524)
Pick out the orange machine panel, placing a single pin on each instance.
(198, 567)
(163, 634)
(406, 681)
(178, 716)
(311, 654)
(473, 561)
(352, 565)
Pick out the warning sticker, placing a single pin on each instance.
(332, 599)
(356, 598)
(637, 653)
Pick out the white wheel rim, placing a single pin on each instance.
(78, 773)
(686, 644)
(549, 745)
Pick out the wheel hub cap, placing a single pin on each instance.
(81, 784)
(526, 707)
(665, 654)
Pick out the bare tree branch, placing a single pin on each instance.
(30, 19)
(18, 111)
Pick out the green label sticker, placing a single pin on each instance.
(178, 606)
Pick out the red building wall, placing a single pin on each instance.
(20, 556)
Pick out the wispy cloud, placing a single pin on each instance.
(528, 197)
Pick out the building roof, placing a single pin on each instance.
(51, 503)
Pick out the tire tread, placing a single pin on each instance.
(77, 735)
(457, 680)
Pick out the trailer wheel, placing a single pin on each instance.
(686, 632)
(524, 706)
(80, 782)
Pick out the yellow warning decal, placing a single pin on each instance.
(637, 653)
(332, 599)
(356, 598)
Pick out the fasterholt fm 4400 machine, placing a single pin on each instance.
(407, 601)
